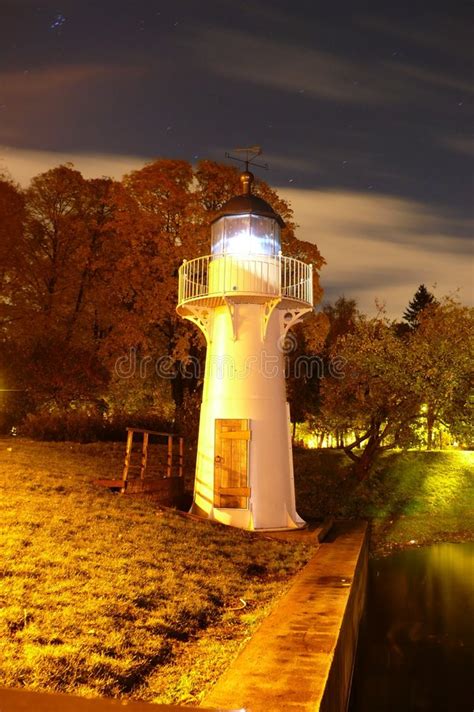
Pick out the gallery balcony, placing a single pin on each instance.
(214, 280)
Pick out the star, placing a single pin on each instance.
(58, 21)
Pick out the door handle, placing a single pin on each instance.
(218, 459)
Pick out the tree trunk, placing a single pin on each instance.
(365, 462)
(430, 421)
(177, 388)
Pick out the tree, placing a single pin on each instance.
(342, 316)
(62, 240)
(304, 366)
(56, 273)
(391, 385)
(422, 299)
(309, 360)
(442, 358)
(12, 217)
(374, 397)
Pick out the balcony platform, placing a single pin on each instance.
(211, 282)
(216, 300)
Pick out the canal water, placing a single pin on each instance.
(416, 641)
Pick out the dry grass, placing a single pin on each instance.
(104, 595)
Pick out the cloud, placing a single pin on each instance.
(292, 163)
(50, 80)
(296, 68)
(255, 59)
(52, 96)
(438, 79)
(377, 246)
(23, 164)
(460, 144)
(18, 84)
(446, 34)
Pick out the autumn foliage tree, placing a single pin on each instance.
(12, 216)
(89, 272)
(51, 313)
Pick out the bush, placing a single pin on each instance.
(84, 427)
(13, 408)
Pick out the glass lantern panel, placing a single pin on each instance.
(245, 235)
(217, 237)
(266, 235)
(237, 240)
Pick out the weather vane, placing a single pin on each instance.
(250, 154)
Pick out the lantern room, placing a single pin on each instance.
(247, 225)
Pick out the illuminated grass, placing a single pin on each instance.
(411, 496)
(103, 595)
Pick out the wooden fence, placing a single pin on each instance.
(153, 465)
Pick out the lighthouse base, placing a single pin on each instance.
(243, 519)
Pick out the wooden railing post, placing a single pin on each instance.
(144, 455)
(170, 456)
(181, 456)
(128, 454)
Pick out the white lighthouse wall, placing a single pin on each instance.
(244, 379)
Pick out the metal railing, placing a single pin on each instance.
(278, 276)
(296, 279)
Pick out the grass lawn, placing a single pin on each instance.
(102, 594)
(412, 497)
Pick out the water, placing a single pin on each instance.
(416, 639)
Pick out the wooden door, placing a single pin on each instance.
(231, 463)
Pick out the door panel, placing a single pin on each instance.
(231, 463)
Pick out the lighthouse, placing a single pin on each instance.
(245, 296)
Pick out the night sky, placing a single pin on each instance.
(364, 115)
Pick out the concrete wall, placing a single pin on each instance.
(337, 691)
(18, 700)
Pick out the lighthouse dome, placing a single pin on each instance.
(247, 203)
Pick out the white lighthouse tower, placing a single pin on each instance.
(244, 297)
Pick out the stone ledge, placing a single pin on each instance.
(21, 700)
